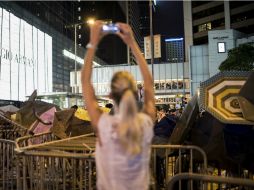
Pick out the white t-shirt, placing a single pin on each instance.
(116, 169)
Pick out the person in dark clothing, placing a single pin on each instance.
(111, 107)
(162, 131)
(172, 114)
(75, 107)
(165, 127)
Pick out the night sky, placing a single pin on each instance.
(168, 18)
(167, 21)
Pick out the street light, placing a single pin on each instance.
(151, 34)
(89, 21)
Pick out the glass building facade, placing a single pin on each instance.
(26, 58)
(34, 55)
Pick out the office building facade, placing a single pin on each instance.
(205, 59)
(202, 16)
(211, 29)
(170, 80)
(174, 50)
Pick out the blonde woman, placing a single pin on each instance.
(123, 145)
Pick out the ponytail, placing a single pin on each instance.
(130, 132)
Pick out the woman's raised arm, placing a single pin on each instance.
(86, 74)
(149, 103)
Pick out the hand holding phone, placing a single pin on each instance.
(110, 28)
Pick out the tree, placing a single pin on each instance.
(240, 58)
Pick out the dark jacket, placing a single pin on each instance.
(164, 127)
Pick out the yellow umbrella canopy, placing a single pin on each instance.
(219, 96)
(71, 122)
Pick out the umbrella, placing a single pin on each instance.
(219, 96)
(26, 114)
(186, 121)
(66, 124)
(8, 108)
(246, 98)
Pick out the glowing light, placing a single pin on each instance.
(173, 39)
(90, 21)
(78, 59)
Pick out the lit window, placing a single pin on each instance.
(79, 9)
(79, 17)
(79, 27)
(205, 27)
(209, 26)
(79, 36)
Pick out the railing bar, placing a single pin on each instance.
(24, 173)
(210, 178)
(90, 175)
(191, 167)
(4, 152)
(166, 165)
(180, 167)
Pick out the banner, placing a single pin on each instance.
(157, 46)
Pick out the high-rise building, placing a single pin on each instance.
(174, 50)
(132, 13)
(202, 16)
(211, 29)
(111, 49)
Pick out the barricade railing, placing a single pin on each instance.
(175, 157)
(59, 164)
(228, 182)
(55, 170)
(7, 165)
(29, 140)
(9, 131)
(47, 139)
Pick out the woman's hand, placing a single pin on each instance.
(96, 33)
(126, 34)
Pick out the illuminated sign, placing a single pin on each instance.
(221, 47)
(25, 58)
(6, 54)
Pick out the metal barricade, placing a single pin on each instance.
(29, 140)
(7, 165)
(60, 164)
(9, 131)
(230, 183)
(174, 157)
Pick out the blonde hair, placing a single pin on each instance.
(124, 93)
